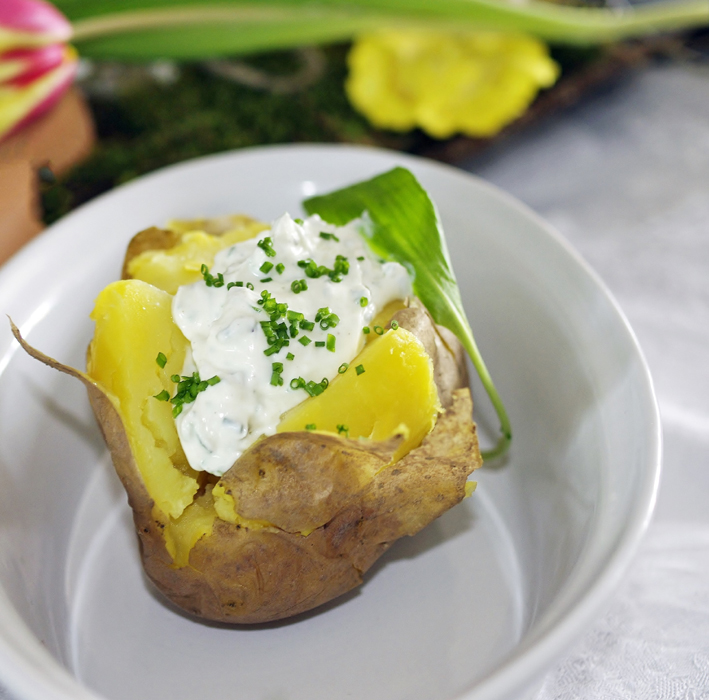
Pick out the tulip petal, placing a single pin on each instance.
(27, 23)
(21, 103)
(22, 66)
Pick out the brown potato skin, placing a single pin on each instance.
(250, 576)
(302, 482)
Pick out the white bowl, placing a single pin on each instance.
(476, 606)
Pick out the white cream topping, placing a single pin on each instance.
(223, 326)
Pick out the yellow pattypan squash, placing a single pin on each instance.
(473, 83)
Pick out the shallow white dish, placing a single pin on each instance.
(477, 606)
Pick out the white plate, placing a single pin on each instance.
(476, 606)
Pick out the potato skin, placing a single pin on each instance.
(301, 482)
(240, 575)
(243, 576)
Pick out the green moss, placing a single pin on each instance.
(153, 125)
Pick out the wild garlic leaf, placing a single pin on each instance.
(403, 225)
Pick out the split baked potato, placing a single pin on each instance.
(301, 515)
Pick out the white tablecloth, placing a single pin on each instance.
(625, 177)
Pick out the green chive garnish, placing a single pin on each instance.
(360, 257)
(342, 368)
(319, 343)
(341, 428)
(363, 301)
(266, 267)
(266, 245)
(329, 236)
(359, 369)
(161, 359)
(330, 342)
(378, 330)
(304, 340)
(394, 325)
(279, 268)
(365, 330)
(267, 279)
(298, 221)
(310, 426)
(290, 356)
(164, 395)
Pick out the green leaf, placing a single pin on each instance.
(182, 29)
(403, 225)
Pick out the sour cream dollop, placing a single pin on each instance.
(225, 328)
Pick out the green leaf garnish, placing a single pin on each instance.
(404, 226)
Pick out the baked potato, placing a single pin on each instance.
(302, 514)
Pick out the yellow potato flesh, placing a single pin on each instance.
(133, 324)
(395, 394)
(180, 265)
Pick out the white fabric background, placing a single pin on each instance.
(625, 177)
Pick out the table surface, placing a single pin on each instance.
(625, 178)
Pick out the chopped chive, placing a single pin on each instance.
(164, 395)
(175, 378)
(341, 428)
(298, 221)
(363, 301)
(365, 330)
(271, 350)
(310, 426)
(297, 383)
(394, 325)
(176, 411)
(161, 359)
(319, 343)
(267, 279)
(307, 325)
(378, 330)
(329, 236)
(277, 366)
(266, 267)
(304, 340)
(359, 369)
(342, 368)
(276, 379)
(266, 245)
(290, 356)
(279, 268)
(330, 342)
(249, 286)
(360, 257)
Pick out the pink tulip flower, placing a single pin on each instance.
(36, 64)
